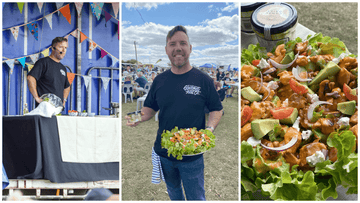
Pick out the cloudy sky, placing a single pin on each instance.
(213, 29)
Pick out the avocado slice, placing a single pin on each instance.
(321, 63)
(311, 66)
(291, 119)
(347, 108)
(289, 57)
(249, 94)
(275, 100)
(330, 69)
(260, 127)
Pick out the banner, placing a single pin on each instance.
(58, 5)
(22, 61)
(92, 45)
(33, 28)
(114, 61)
(10, 63)
(45, 52)
(78, 6)
(49, 20)
(40, 5)
(103, 53)
(29, 66)
(107, 16)
(15, 32)
(86, 80)
(105, 81)
(70, 77)
(96, 9)
(115, 8)
(82, 37)
(66, 13)
(21, 6)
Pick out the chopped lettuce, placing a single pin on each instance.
(251, 53)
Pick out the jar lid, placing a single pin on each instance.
(250, 6)
(276, 17)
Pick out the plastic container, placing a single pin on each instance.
(274, 22)
(246, 10)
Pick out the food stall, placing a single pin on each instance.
(62, 156)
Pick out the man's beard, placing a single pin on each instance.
(181, 65)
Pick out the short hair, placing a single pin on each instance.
(58, 39)
(174, 30)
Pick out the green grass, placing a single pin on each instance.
(331, 19)
(221, 163)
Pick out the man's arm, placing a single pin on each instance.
(32, 87)
(146, 114)
(214, 119)
(66, 94)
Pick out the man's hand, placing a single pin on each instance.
(146, 114)
(130, 123)
(38, 100)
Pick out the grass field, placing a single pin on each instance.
(331, 19)
(221, 163)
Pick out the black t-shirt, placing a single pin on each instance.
(51, 77)
(181, 100)
(142, 82)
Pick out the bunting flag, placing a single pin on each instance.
(86, 80)
(45, 52)
(96, 9)
(103, 53)
(74, 33)
(33, 28)
(21, 6)
(105, 81)
(49, 20)
(92, 45)
(70, 77)
(10, 63)
(67, 37)
(58, 5)
(82, 37)
(115, 7)
(34, 57)
(29, 66)
(40, 5)
(158, 61)
(15, 32)
(78, 6)
(22, 61)
(66, 12)
(114, 61)
(107, 16)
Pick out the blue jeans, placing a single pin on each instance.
(191, 174)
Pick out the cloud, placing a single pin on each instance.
(125, 22)
(228, 23)
(219, 14)
(145, 5)
(231, 6)
(212, 5)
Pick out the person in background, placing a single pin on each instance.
(217, 75)
(142, 82)
(227, 80)
(49, 75)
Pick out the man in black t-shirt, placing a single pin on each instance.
(181, 94)
(49, 75)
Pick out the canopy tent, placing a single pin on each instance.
(208, 65)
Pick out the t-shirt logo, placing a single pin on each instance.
(191, 89)
(62, 72)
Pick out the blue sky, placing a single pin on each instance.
(213, 29)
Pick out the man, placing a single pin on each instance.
(181, 94)
(227, 80)
(142, 82)
(49, 75)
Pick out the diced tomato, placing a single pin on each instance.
(246, 114)
(255, 62)
(297, 87)
(347, 91)
(281, 112)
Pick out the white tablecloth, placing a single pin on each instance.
(89, 139)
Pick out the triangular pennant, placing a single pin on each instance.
(15, 32)
(107, 16)
(105, 81)
(115, 8)
(10, 63)
(34, 57)
(82, 37)
(66, 13)
(58, 6)
(22, 61)
(92, 45)
(45, 52)
(103, 53)
(33, 28)
(96, 9)
(114, 61)
(70, 77)
(49, 19)
(40, 5)
(21, 6)
(86, 80)
(74, 33)
(29, 66)
(78, 6)
(67, 37)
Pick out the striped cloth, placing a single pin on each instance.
(157, 173)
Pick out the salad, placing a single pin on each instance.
(187, 141)
(299, 119)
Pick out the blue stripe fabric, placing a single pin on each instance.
(157, 173)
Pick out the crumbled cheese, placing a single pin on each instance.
(285, 103)
(263, 64)
(253, 141)
(306, 134)
(315, 158)
(314, 98)
(273, 85)
(344, 121)
(347, 167)
(341, 57)
(296, 124)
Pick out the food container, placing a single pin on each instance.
(274, 22)
(52, 99)
(246, 10)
